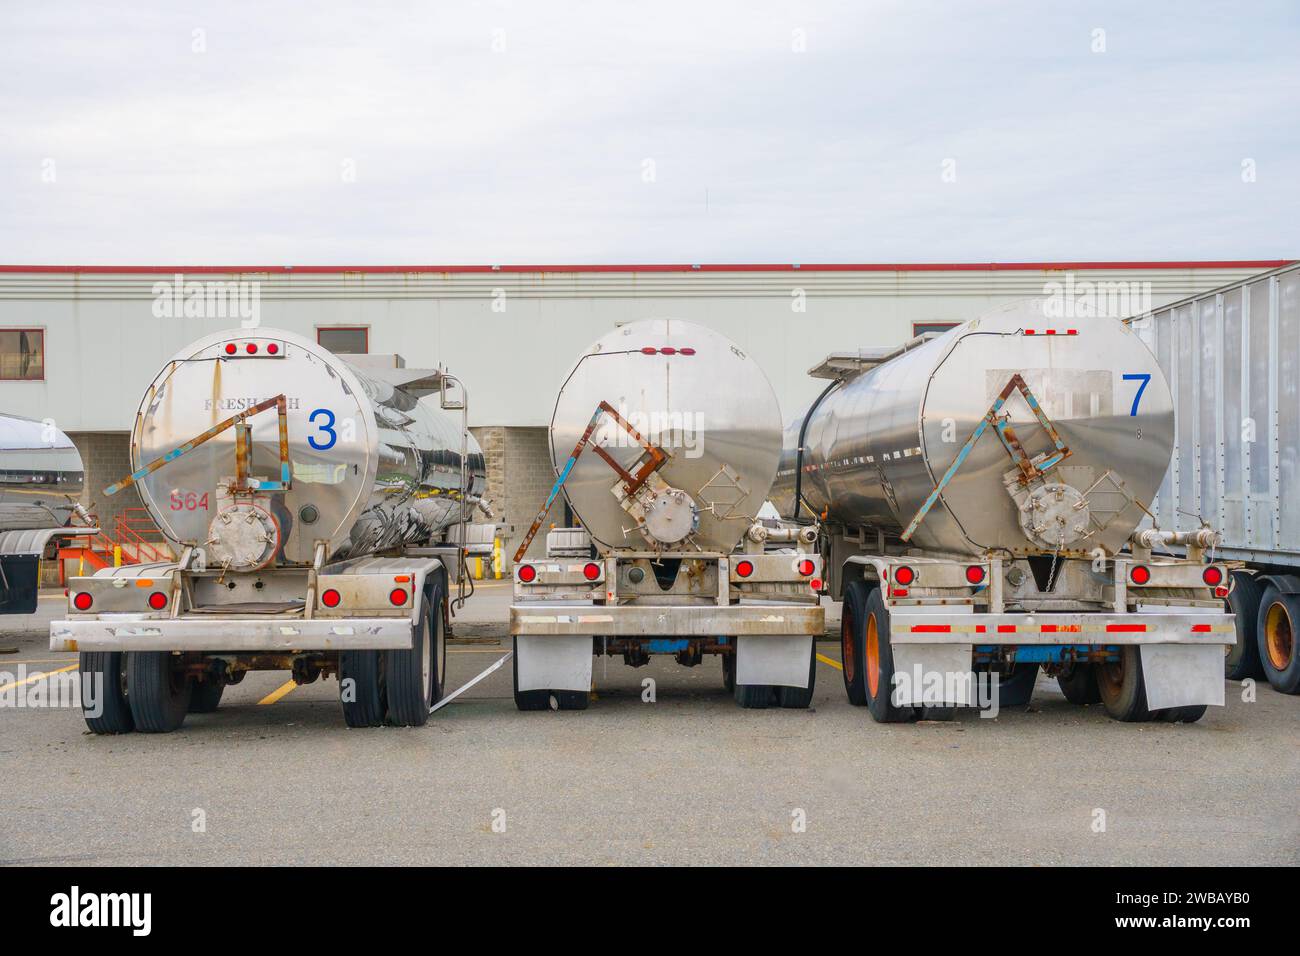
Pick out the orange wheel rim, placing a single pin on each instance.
(1110, 678)
(846, 646)
(873, 656)
(1279, 637)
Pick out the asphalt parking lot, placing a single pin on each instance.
(274, 777)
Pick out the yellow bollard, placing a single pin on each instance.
(117, 555)
(478, 569)
(496, 556)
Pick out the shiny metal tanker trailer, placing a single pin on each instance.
(308, 498)
(978, 493)
(41, 479)
(665, 439)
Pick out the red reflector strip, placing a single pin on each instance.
(1201, 628)
(1071, 331)
(932, 629)
(1060, 629)
(979, 628)
(1006, 629)
(1126, 628)
(1029, 331)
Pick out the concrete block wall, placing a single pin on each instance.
(106, 457)
(519, 477)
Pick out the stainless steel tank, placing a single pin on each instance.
(696, 395)
(41, 475)
(373, 466)
(876, 446)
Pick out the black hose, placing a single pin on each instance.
(798, 454)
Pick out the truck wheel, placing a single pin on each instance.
(104, 677)
(878, 663)
(1123, 693)
(157, 690)
(572, 699)
(729, 672)
(853, 621)
(206, 696)
(528, 699)
(799, 698)
(1279, 616)
(438, 629)
(1242, 660)
(755, 696)
(1017, 690)
(361, 688)
(409, 674)
(1182, 715)
(1078, 682)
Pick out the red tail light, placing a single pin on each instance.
(330, 598)
(272, 349)
(397, 596)
(527, 573)
(687, 351)
(667, 350)
(815, 584)
(806, 567)
(744, 568)
(904, 575)
(1213, 576)
(591, 571)
(1140, 574)
(157, 600)
(975, 574)
(231, 348)
(82, 601)
(649, 350)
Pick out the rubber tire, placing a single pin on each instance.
(729, 672)
(1182, 715)
(1243, 661)
(1285, 679)
(571, 699)
(409, 690)
(1128, 701)
(853, 624)
(157, 706)
(882, 709)
(116, 715)
(800, 698)
(206, 696)
(366, 671)
(755, 696)
(527, 699)
(1018, 689)
(1079, 684)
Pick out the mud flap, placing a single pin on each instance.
(1178, 675)
(554, 663)
(933, 674)
(779, 660)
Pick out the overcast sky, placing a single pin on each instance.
(403, 133)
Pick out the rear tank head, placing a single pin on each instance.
(690, 394)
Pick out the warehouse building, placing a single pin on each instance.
(78, 344)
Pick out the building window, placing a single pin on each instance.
(920, 328)
(22, 355)
(345, 341)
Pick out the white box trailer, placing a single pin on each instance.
(1232, 358)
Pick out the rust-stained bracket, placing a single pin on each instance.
(650, 461)
(1029, 469)
(243, 450)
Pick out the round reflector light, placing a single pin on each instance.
(1213, 575)
(157, 600)
(806, 567)
(230, 348)
(591, 571)
(975, 574)
(272, 349)
(744, 568)
(330, 598)
(251, 348)
(82, 601)
(397, 596)
(904, 575)
(527, 573)
(1140, 574)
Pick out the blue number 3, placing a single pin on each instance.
(327, 428)
(1143, 377)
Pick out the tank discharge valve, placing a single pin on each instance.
(664, 515)
(243, 537)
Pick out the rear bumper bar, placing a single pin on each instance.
(137, 633)
(910, 627)
(631, 620)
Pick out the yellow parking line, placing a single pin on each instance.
(36, 677)
(826, 660)
(279, 692)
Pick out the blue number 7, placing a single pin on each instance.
(1144, 378)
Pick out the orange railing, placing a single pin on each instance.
(133, 539)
